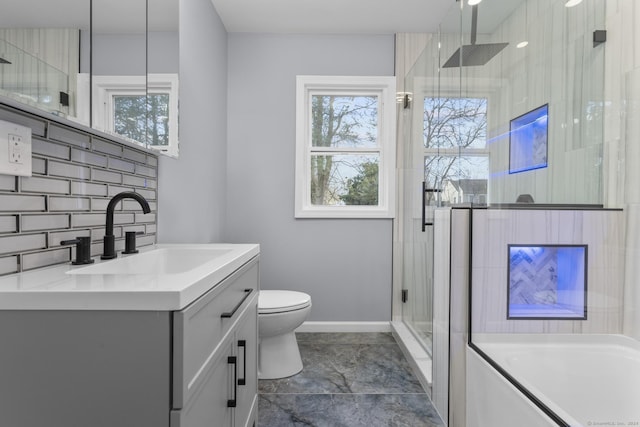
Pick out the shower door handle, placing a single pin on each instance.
(426, 190)
(424, 208)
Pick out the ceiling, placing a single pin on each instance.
(332, 16)
(263, 16)
(113, 16)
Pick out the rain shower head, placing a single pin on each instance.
(470, 55)
(474, 54)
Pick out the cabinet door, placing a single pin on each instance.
(246, 344)
(212, 403)
(199, 328)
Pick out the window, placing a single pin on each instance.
(456, 161)
(345, 147)
(143, 110)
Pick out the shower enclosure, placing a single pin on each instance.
(502, 159)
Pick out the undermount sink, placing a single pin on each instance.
(169, 260)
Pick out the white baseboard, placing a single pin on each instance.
(344, 327)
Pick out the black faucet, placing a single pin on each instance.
(109, 251)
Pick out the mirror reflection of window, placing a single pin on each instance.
(123, 107)
(130, 118)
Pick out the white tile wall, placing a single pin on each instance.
(441, 282)
(602, 230)
(74, 176)
(621, 143)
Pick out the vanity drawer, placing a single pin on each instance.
(201, 327)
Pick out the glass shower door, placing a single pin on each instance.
(417, 310)
(445, 163)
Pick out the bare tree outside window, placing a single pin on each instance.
(344, 177)
(453, 126)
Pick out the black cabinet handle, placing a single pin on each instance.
(243, 344)
(229, 314)
(231, 360)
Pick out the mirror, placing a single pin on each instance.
(109, 64)
(44, 59)
(162, 81)
(134, 79)
(119, 67)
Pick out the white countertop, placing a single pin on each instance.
(53, 288)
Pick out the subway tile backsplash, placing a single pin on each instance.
(75, 174)
(8, 265)
(7, 183)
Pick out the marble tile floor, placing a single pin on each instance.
(348, 380)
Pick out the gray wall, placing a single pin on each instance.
(192, 199)
(345, 265)
(124, 54)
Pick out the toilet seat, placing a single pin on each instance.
(270, 302)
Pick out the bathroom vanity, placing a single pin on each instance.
(120, 345)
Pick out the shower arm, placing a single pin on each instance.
(474, 23)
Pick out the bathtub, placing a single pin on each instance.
(587, 380)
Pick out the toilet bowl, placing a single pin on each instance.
(279, 314)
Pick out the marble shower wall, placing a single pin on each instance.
(602, 230)
(560, 67)
(622, 130)
(442, 262)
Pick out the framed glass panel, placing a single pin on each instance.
(344, 121)
(344, 179)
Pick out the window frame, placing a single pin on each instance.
(384, 88)
(105, 88)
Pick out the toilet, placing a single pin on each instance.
(279, 314)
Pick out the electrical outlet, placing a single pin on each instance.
(15, 149)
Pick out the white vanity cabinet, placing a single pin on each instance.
(135, 368)
(215, 356)
(226, 394)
